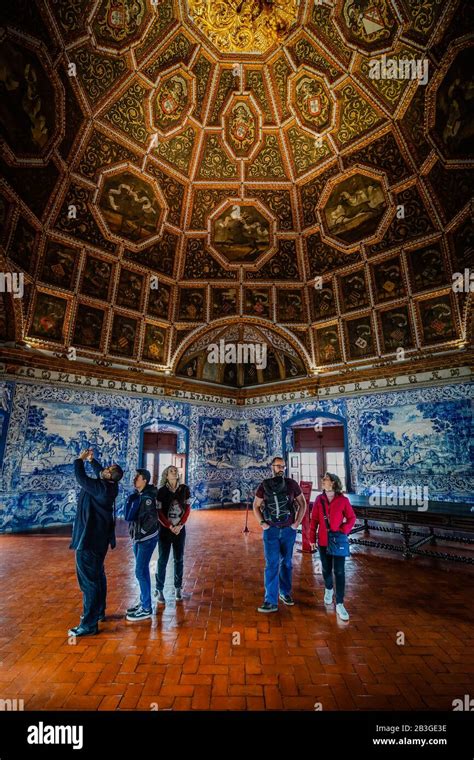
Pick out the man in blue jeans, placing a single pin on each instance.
(279, 507)
(93, 531)
(143, 531)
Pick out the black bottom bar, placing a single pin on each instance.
(423, 735)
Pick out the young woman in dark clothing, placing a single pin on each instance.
(173, 511)
(341, 517)
(143, 531)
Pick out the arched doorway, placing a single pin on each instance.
(314, 444)
(163, 444)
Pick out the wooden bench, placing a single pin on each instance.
(437, 518)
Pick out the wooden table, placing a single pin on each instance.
(438, 518)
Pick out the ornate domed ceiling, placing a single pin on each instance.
(178, 173)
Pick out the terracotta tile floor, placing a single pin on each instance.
(215, 651)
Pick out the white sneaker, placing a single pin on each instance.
(328, 595)
(342, 612)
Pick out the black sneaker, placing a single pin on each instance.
(267, 607)
(178, 595)
(133, 609)
(286, 599)
(139, 614)
(80, 630)
(160, 597)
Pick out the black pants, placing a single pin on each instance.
(93, 584)
(166, 540)
(328, 562)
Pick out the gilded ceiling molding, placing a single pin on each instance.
(286, 185)
(244, 26)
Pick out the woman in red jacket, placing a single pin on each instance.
(341, 517)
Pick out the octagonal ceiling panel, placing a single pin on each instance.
(241, 233)
(171, 101)
(368, 25)
(130, 206)
(242, 122)
(312, 102)
(32, 101)
(240, 163)
(116, 24)
(354, 208)
(452, 111)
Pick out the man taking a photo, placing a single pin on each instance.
(93, 531)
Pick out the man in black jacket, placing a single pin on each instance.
(93, 531)
(141, 511)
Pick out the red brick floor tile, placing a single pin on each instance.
(182, 703)
(220, 685)
(298, 703)
(287, 685)
(246, 690)
(228, 703)
(83, 686)
(253, 666)
(177, 690)
(255, 703)
(237, 674)
(213, 670)
(188, 656)
(82, 702)
(273, 698)
(196, 679)
(110, 702)
(103, 689)
(201, 698)
(191, 664)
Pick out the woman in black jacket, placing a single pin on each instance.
(174, 506)
(143, 530)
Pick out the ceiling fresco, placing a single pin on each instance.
(294, 173)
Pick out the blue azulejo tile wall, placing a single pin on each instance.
(420, 436)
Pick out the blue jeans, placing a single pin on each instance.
(93, 584)
(278, 544)
(167, 539)
(143, 551)
(328, 562)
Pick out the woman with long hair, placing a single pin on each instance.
(173, 510)
(334, 509)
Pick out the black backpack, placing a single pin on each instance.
(277, 505)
